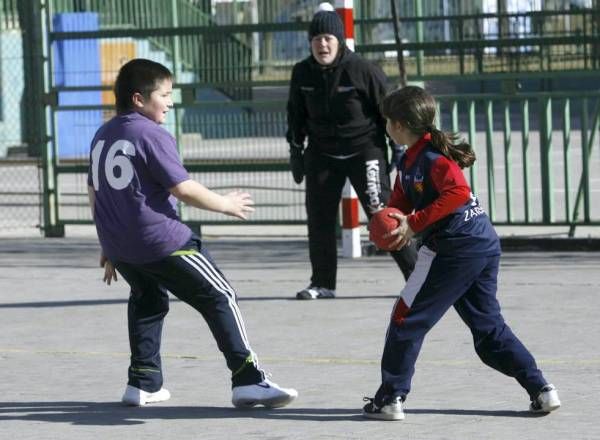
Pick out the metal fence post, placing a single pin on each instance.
(525, 137)
(176, 57)
(566, 155)
(546, 158)
(419, 26)
(584, 182)
(472, 135)
(491, 181)
(508, 183)
(40, 77)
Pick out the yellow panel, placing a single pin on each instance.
(112, 56)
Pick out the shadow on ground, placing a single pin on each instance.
(113, 413)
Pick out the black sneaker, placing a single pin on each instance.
(314, 292)
(391, 409)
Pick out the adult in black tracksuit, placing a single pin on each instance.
(334, 102)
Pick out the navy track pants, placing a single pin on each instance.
(469, 284)
(191, 276)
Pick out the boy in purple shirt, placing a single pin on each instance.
(134, 179)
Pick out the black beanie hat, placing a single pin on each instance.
(326, 22)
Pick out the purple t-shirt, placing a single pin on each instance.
(133, 162)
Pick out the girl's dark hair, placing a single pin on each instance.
(415, 108)
(138, 76)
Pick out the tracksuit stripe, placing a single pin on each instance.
(417, 278)
(224, 289)
(413, 286)
(218, 283)
(206, 275)
(228, 287)
(233, 303)
(215, 272)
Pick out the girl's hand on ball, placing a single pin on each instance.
(403, 232)
(408, 234)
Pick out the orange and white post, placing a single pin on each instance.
(351, 247)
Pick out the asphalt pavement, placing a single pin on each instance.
(64, 350)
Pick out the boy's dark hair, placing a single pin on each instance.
(415, 108)
(138, 76)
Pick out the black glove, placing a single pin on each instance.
(297, 162)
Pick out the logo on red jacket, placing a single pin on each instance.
(418, 181)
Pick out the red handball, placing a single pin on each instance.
(380, 224)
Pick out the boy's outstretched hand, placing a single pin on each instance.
(238, 204)
(109, 270)
(403, 233)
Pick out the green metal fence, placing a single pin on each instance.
(476, 43)
(537, 160)
(538, 154)
(20, 174)
(213, 56)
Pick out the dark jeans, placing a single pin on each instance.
(325, 178)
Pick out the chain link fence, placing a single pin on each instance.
(20, 192)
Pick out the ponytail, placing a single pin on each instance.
(416, 109)
(454, 148)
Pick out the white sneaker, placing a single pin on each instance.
(546, 401)
(265, 393)
(135, 397)
(391, 409)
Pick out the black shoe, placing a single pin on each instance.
(314, 292)
(390, 410)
